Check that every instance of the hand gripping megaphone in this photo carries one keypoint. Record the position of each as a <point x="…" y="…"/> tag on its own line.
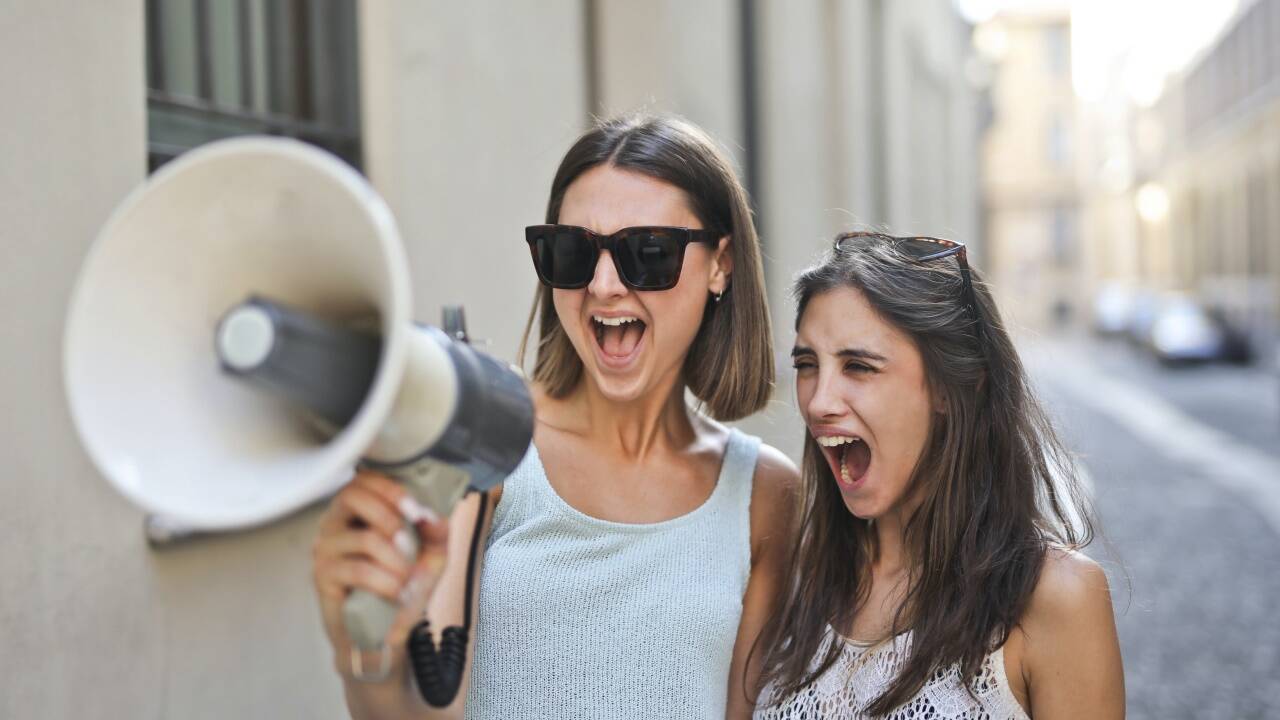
<point x="240" y="337"/>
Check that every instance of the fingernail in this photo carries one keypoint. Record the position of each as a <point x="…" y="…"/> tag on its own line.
<point x="414" y="511"/>
<point x="404" y="542"/>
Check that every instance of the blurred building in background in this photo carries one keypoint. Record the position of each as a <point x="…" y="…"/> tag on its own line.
<point x="1180" y="178"/>
<point x="1131" y="171"/>
<point x="1208" y="176"/>
<point x="840" y="113"/>
<point x="1029" y="154"/>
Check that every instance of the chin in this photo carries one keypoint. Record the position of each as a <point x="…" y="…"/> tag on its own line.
<point x="619" y="389"/>
<point x="863" y="510"/>
<point x="865" y="505"/>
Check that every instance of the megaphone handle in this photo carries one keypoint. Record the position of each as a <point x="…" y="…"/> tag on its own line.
<point x="367" y="617"/>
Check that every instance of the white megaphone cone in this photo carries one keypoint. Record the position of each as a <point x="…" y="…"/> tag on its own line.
<point x="240" y="335"/>
<point x="161" y="420"/>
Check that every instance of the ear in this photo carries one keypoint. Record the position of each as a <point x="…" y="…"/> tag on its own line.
<point x="721" y="267"/>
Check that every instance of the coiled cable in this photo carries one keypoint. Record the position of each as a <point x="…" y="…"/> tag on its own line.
<point x="438" y="670"/>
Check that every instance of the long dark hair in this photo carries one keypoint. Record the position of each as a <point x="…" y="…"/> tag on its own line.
<point x="729" y="366"/>
<point x="999" y="489"/>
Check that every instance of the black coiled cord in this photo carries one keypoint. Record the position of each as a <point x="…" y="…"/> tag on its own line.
<point x="438" y="670"/>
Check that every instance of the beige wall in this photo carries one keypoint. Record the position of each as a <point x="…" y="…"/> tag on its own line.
<point x="467" y="109"/>
<point x="672" y="56"/>
<point x="95" y="624"/>
<point x="838" y="154"/>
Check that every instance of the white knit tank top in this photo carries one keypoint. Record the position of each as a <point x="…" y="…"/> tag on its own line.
<point x="585" y="618"/>
<point x="861" y="673"/>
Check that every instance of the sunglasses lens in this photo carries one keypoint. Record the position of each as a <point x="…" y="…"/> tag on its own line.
<point x="650" y="259"/>
<point x="565" y="257"/>
<point x="920" y="248"/>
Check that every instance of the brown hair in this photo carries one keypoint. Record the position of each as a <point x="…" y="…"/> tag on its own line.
<point x="998" y="488"/>
<point x="729" y="367"/>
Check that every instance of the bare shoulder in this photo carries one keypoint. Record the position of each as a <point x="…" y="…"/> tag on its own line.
<point x="1072" y="589"/>
<point x="1071" y="662"/>
<point x="774" y="495"/>
<point x="776" y="475"/>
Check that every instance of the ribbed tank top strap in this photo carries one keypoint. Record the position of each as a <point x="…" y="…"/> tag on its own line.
<point x="739" y="464"/>
<point x="521" y="493"/>
<point x="737" y="473"/>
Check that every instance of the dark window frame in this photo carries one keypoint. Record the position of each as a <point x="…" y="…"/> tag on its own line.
<point x="308" y="47"/>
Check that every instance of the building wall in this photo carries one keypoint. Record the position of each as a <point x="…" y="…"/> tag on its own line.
<point x="464" y="124"/>
<point x="867" y="122"/>
<point x="1212" y="142"/>
<point x="672" y="56"/>
<point x="1220" y="161"/>
<point x="1030" y="152"/>
<point x="95" y="623"/>
<point x="464" y="119"/>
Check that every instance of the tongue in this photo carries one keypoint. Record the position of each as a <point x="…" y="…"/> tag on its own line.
<point x="620" y="341"/>
<point x="857" y="458"/>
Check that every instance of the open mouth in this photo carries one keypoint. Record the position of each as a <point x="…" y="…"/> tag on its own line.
<point x="618" y="337"/>
<point x="848" y="455"/>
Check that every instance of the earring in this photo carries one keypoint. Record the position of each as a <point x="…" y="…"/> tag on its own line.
<point x="719" y="295"/>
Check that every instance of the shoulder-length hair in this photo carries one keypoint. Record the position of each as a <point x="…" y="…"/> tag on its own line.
<point x="729" y="367"/>
<point x="998" y="488"/>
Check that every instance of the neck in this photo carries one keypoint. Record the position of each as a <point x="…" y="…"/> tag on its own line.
<point x="893" y="556"/>
<point x="657" y="419"/>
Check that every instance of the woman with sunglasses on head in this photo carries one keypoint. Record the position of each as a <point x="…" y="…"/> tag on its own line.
<point x="936" y="573"/>
<point x="632" y="557"/>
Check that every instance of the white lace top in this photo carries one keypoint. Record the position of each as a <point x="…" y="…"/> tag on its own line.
<point x="862" y="673"/>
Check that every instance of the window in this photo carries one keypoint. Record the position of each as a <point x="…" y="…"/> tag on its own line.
<point x="1057" y="48"/>
<point x="1062" y="236"/>
<point x="220" y="68"/>
<point x="1058" y="141"/>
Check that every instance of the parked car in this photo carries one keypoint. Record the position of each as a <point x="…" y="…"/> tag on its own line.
<point x="1111" y="306"/>
<point x="1237" y="350"/>
<point x="1184" y="330"/>
<point x="1143" y="309"/>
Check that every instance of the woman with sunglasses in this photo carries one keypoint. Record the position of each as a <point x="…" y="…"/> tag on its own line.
<point x="936" y="573"/>
<point x="631" y="559"/>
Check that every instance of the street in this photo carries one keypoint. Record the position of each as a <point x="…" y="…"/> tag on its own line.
<point x="1184" y="464"/>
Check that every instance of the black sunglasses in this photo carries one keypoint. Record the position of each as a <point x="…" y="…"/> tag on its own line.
<point x="646" y="258"/>
<point x="923" y="249"/>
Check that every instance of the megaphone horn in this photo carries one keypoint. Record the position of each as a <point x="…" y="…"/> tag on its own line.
<point x="258" y="263"/>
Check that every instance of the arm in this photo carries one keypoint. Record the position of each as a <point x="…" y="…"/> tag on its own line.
<point x="773" y="502"/>
<point x="355" y="550"/>
<point x="1072" y="666"/>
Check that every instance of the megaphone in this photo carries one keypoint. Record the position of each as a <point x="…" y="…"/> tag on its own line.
<point x="257" y="263"/>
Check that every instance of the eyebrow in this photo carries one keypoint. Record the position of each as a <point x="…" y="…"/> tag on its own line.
<point x="847" y="353"/>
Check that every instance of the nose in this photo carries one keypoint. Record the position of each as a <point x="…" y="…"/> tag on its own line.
<point x="605" y="283"/>
<point x="827" y="402"/>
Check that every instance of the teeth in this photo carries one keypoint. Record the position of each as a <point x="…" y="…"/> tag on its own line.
<point x="837" y="440"/>
<point x="613" y="322"/>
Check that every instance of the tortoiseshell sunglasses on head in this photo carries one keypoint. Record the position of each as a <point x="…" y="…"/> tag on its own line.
<point x="922" y="249"/>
